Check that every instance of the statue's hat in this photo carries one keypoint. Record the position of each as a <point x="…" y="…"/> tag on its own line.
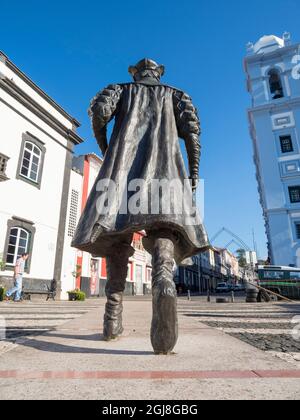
<point x="146" y="64"/>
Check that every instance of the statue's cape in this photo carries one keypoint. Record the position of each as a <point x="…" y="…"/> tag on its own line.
<point x="144" y="145"/>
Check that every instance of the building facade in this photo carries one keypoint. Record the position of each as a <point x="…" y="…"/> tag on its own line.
<point x="71" y="270"/>
<point x="36" y="150"/>
<point x="273" y="81"/>
<point x="213" y="266"/>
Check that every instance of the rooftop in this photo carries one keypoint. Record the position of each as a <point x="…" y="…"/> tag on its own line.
<point x="36" y="88"/>
<point x="269" y="43"/>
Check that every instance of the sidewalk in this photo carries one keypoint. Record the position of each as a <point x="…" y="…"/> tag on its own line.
<point x="73" y="362"/>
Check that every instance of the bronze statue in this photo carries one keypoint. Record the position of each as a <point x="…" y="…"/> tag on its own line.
<point x="149" y="119"/>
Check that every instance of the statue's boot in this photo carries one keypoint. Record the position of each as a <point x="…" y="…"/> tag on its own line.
<point x="117" y="267"/>
<point x="164" y="328"/>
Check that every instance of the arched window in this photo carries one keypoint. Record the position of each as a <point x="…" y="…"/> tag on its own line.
<point x="31" y="161"/>
<point x="19" y="239"/>
<point x="18" y="244"/>
<point x="275" y="83"/>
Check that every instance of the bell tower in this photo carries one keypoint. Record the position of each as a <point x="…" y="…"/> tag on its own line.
<point x="272" y="67"/>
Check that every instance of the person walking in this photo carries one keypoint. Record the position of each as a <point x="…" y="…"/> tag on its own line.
<point x="18" y="276"/>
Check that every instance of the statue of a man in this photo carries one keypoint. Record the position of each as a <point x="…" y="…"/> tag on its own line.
<point x="143" y="151"/>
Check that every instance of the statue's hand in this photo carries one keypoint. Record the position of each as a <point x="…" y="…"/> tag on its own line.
<point x="102" y="142"/>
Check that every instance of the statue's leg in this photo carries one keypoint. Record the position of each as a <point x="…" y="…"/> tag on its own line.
<point x="164" y="328"/>
<point x="117" y="268"/>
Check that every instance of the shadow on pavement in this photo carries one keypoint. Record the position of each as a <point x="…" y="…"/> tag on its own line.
<point x="91" y="337"/>
<point x="62" y="348"/>
<point x="291" y="307"/>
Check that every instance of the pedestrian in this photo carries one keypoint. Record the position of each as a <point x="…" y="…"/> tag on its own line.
<point x="18" y="277"/>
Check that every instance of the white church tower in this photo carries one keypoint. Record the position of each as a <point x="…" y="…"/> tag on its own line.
<point x="272" y="66"/>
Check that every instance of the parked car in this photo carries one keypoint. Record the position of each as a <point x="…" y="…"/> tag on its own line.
<point x="238" y="288"/>
<point x="223" y="288"/>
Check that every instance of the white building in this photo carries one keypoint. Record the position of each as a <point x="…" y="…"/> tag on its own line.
<point x="36" y="150"/>
<point x="212" y="266"/>
<point x="80" y="269"/>
<point x="273" y="80"/>
<point x="70" y="270"/>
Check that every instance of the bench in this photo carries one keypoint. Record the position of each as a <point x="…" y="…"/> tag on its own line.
<point x="44" y="289"/>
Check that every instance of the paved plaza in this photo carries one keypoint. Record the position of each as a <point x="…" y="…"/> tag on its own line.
<point x="55" y="350"/>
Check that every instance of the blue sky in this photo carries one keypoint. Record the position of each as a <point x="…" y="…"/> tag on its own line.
<point x="72" y="49"/>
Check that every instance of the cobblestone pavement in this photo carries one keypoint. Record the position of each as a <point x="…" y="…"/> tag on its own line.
<point x="56" y="350"/>
<point x="20" y="321"/>
<point x="268" y="327"/>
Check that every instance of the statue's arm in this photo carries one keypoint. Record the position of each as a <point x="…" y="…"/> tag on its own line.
<point x="188" y="126"/>
<point x="102" y="110"/>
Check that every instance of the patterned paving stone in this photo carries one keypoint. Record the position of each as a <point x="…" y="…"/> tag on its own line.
<point x="29" y="319"/>
<point x="268" y="328"/>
